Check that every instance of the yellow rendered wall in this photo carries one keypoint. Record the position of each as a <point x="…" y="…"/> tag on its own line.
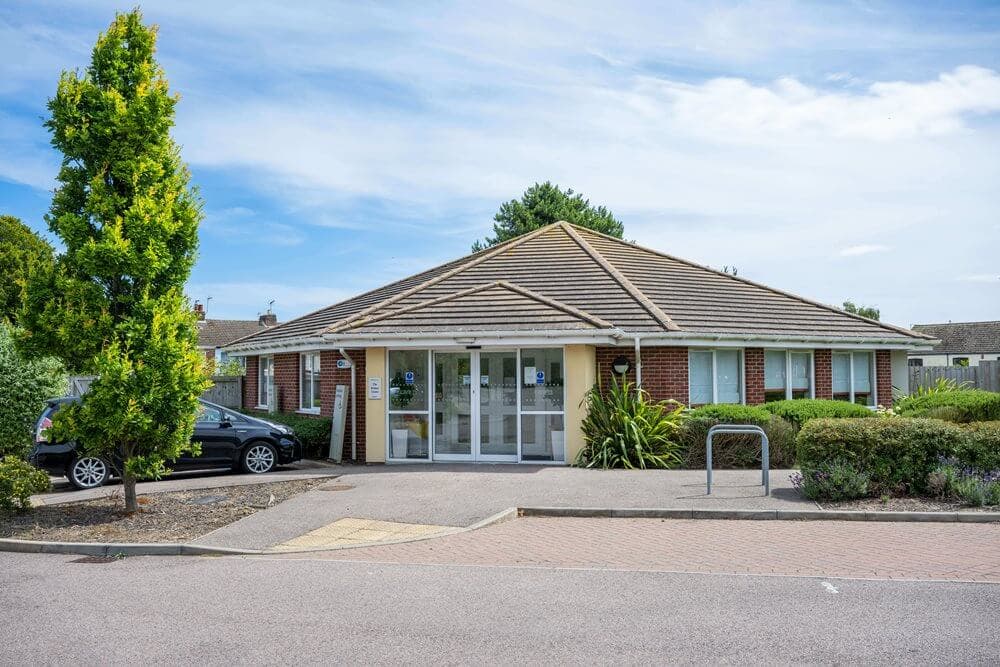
<point x="581" y="375"/>
<point x="374" y="409"/>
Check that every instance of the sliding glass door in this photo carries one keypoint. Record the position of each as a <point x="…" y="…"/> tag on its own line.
<point x="475" y="406"/>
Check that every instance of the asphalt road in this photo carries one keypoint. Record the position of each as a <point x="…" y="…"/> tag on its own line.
<point x="273" y="610"/>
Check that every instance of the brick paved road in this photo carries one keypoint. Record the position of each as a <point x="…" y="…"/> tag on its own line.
<point x="960" y="552"/>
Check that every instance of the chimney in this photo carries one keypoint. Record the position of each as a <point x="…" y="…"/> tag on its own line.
<point x="268" y="319"/>
<point x="199" y="311"/>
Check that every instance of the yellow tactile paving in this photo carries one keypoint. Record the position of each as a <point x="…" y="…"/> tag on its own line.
<point x="356" y="531"/>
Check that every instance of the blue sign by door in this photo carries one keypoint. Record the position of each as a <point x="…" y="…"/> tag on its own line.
<point x="540" y="377"/>
<point x="409" y="377"/>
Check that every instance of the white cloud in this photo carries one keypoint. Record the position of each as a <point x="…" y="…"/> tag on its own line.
<point x="993" y="278"/>
<point x="857" y="250"/>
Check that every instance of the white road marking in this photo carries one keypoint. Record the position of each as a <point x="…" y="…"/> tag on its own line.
<point x="829" y="587"/>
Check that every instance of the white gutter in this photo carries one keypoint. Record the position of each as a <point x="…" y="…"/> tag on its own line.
<point x="354" y="405"/>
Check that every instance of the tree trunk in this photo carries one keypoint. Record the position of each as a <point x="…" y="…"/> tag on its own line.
<point x="128" y="483"/>
<point x="131" y="502"/>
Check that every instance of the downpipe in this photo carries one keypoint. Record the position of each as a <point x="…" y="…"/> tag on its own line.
<point x="354" y="405"/>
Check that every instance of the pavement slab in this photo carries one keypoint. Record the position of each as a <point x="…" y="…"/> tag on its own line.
<point x="344" y="532"/>
<point x="850" y="549"/>
<point x="462" y="495"/>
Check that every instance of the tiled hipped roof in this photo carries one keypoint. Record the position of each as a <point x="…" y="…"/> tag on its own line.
<point x="964" y="337"/>
<point x="564" y="277"/>
<point x="217" y="333"/>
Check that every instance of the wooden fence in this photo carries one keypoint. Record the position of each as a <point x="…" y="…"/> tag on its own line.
<point x="984" y="376"/>
<point x="226" y="390"/>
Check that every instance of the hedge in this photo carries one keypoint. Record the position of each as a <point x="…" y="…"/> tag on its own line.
<point x="314" y="432"/>
<point x="800" y="410"/>
<point x="736" y="451"/>
<point x="963" y="405"/>
<point x="981" y="448"/>
<point x="897" y="452"/>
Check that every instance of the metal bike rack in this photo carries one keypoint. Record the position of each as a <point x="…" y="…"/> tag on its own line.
<point x="737" y="429"/>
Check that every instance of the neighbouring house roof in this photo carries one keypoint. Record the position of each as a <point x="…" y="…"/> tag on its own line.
<point x="964" y="337"/>
<point x="219" y="333"/>
<point x="564" y="277"/>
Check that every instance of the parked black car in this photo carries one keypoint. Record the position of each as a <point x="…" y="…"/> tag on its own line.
<point x="228" y="440"/>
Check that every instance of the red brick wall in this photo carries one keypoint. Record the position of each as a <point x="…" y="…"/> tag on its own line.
<point x="823" y="362"/>
<point x="883" y="377"/>
<point x="250" y="385"/>
<point x="330" y="376"/>
<point x="664" y="370"/>
<point x="286" y="381"/>
<point x="753" y="363"/>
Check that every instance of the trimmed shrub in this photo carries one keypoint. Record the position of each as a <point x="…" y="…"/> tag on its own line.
<point x="833" y="480"/>
<point x="800" y="410"/>
<point x="25" y="384"/>
<point x="625" y="429"/>
<point x="18" y="481"/>
<point x="736" y="451"/>
<point x="898" y="453"/>
<point x="314" y="432"/>
<point x="981" y="448"/>
<point x="963" y="405"/>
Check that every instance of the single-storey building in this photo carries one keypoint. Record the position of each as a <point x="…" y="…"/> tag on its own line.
<point x="488" y="357"/>
<point x="959" y="344"/>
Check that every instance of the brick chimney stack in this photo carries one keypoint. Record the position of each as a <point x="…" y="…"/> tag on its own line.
<point x="268" y="319"/>
<point x="199" y="311"/>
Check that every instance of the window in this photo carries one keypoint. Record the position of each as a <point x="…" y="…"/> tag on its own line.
<point x="715" y="376"/>
<point x="915" y="362"/>
<point x="853" y="374"/>
<point x="779" y="366"/>
<point x="265" y="381"/>
<point x="960" y="361"/>
<point x="543" y="434"/>
<point x="208" y="414"/>
<point x="409" y="418"/>
<point x="309" y="383"/>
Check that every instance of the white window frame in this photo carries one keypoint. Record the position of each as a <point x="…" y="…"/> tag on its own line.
<point x="715" y="374"/>
<point x="788" y="371"/>
<point x="872" y="376"/>
<point x="427" y="412"/>
<point x="309" y="409"/>
<point x="265" y="380"/>
<point x="430" y="411"/>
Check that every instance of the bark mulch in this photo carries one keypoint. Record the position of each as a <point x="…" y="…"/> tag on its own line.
<point x="174" y="516"/>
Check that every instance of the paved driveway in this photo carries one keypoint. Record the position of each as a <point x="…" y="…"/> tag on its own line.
<point x="464" y="495"/>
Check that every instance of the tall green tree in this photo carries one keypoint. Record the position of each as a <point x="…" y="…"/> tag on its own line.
<point x="113" y="305"/>
<point x="25" y="384"/>
<point x="545" y="203"/>
<point x="22" y="253"/>
<point x="871" y="312"/>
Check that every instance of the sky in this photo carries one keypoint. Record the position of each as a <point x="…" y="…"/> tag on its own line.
<point x="834" y="150"/>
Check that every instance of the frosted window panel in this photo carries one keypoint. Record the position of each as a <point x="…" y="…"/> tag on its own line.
<point x="841" y="371"/>
<point x="774" y="371"/>
<point x="700" y="377"/>
<point x="727" y="367"/>
<point x="800" y="371"/>
<point x="862" y="372"/>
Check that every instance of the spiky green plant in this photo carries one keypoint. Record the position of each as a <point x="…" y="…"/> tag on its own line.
<point x="624" y="428"/>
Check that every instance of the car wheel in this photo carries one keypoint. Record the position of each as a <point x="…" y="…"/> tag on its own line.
<point x="88" y="472"/>
<point x="259" y="458"/>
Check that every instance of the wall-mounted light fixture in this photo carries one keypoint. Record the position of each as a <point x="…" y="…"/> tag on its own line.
<point x="620" y="365"/>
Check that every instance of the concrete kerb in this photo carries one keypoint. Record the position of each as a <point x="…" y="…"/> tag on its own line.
<point x="193" y="549"/>
<point x="760" y="515"/>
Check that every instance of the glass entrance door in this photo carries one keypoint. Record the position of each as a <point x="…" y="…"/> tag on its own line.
<point x="475" y="406"/>
<point x="497" y="406"/>
<point x="453" y="420"/>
